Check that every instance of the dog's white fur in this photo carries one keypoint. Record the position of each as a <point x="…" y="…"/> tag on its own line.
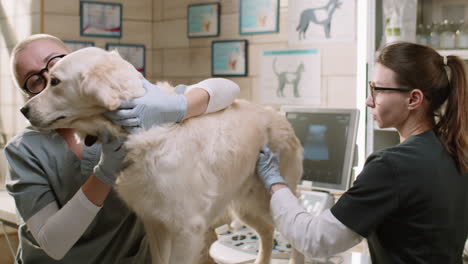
<point x="183" y="177"/>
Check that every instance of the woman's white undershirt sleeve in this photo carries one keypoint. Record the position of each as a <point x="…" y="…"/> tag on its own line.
<point x="222" y="92"/>
<point x="57" y="230"/>
<point x="314" y="236"/>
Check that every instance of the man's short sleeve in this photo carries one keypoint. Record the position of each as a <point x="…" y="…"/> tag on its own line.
<point x="372" y="197"/>
<point x="27" y="182"/>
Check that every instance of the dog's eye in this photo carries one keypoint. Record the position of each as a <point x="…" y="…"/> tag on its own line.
<point x="54" y="81"/>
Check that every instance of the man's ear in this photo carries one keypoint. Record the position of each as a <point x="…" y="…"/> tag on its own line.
<point x="416" y="98"/>
<point x="111" y="80"/>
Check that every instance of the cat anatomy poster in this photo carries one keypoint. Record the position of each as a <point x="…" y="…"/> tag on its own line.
<point x="321" y="20"/>
<point x="290" y="77"/>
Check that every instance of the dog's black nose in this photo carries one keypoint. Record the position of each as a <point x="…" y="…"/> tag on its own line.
<point x="25" y="111"/>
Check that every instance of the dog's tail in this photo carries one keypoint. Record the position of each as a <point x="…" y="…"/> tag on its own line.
<point x="282" y="139"/>
<point x="274" y="67"/>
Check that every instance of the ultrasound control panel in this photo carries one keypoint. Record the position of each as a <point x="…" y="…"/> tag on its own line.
<point x="238" y="244"/>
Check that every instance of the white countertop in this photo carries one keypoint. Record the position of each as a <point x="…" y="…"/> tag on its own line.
<point x="7" y="208"/>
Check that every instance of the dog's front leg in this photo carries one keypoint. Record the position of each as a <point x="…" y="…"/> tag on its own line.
<point x="187" y="247"/>
<point x="160" y="242"/>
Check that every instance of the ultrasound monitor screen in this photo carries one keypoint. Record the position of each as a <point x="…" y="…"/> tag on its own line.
<point x="327" y="140"/>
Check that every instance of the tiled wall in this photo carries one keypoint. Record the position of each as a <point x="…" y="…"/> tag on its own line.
<point x="183" y="60"/>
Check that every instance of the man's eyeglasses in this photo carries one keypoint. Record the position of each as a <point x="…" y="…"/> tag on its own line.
<point x="35" y="83"/>
<point x="373" y="89"/>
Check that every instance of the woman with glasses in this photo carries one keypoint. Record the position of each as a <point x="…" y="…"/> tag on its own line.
<point x="411" y="200"/>
<point x="63" y="189"/>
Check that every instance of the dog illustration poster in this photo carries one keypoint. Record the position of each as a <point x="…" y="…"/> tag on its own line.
<point x="135" y="54"/>
<point x="203" y="20"/>
<point x="101" y="19"/>
<point x="290" y="77"/>
<point x="321" y="20"/>
<point x="260" y="16"/>
<point x="229" y="58"/>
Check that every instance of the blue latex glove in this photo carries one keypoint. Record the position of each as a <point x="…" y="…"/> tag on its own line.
<point x="153" y="108"/>
<point x="112" y="160"/>
<point x="268" y="168"/>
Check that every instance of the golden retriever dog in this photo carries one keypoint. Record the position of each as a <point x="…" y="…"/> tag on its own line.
<point x="182" y="177"/>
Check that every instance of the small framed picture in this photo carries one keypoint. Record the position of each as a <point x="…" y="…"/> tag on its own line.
<point x="229" y="58"/>
<point x="203" y="20"/>
<point x="258" y="17"/>
<point x="133" y="53"/>
<point x="76" y="45"/>
<point x="100" y="19"/>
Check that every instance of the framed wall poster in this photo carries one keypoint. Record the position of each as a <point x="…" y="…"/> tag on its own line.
<point x="290" y="77"/>
<point x="229" y="58"/>
<point x="76" y="45"/>
<point x="133" y="53"/>
<point x="99" y="19"/>
<point x="203" y="20"/>
<point x="258" y="17"/>
<point x="321" y="21"/>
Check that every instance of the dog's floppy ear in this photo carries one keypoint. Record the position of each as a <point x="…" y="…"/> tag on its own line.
<point x="110" y="80"/>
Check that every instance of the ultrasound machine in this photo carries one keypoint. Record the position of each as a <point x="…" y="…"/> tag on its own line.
<point x="328" y="137"/>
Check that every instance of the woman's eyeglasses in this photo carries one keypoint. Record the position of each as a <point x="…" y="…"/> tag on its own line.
<point x="35" y="83"/>
<point x="373" y="89"/>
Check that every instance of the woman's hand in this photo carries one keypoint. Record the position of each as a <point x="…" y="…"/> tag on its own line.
<point x="153" y="108"/>
<point x="268" y="168"/>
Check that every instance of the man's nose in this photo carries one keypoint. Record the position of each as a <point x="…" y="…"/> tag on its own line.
<point x="25" y="111"/>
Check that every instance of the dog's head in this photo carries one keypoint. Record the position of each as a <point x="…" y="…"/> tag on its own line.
<point x="82" y="86"/>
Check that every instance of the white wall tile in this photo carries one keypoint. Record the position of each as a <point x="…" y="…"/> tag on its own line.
<point x="187" y="62"/>
<point x="174" y="9"/>
<point x="137" y="9"/>
<point x="157" y="10"/>
<point x="339" y="65"/>
<point x="245" y="84"/>
<point x="230" y="7"/>
<point x="137" y="32"/>
<point x="63" y="7"/>
<point x="200" y="61"/>
<point x="158" y="61"/>
<point x="65" y="27"/>
<point x="341" y="92"/>
<point x="176" y="63"/>
<point x="149" y="62"/>
<point x="170" y="34"/>
<point x="230" y="27"/>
